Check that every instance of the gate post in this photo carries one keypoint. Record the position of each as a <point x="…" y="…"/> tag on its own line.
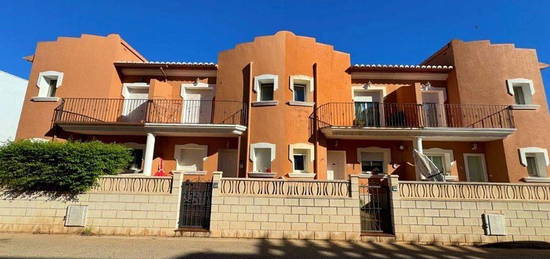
<point x="215" y="229"/>
<point x="177" y="179"/>
<point x="354" y="186"/>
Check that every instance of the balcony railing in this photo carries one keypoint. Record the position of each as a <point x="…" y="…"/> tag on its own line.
<point x="140" y="111"/>
<point x="404" y="115"/>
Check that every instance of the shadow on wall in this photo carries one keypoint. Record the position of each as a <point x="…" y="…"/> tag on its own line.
<point x="305" y="249"/>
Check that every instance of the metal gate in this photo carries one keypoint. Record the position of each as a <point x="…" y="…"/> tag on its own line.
<point x="375" y="209"/>
<point x="196" y="201"/>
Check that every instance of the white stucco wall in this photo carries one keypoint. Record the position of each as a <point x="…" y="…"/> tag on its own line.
<point x="12" y="94"/>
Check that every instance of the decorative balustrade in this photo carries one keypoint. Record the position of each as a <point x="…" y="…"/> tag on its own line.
<point x="134" y="184"/>
<point x="278" y="187"/>
<point x="474" y="191"/>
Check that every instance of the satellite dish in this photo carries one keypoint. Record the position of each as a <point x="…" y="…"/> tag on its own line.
<point x="427" y="168"/>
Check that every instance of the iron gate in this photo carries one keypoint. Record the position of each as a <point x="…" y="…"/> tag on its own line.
<point x="196" y="202"/>
<point x="375" y="209"/>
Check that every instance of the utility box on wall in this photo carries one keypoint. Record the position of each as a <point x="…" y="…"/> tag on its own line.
<point x="76" y="216"/>
<point x="494" y="224"/>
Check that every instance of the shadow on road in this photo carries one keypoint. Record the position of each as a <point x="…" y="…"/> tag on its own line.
<point x="329" y="249"/>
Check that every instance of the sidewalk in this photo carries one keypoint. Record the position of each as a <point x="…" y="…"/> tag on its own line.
<point x="73" y="246"/>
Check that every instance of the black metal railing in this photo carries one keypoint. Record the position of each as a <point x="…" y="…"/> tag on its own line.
<point x="405" y="115"/>
<point x="196" y="204"/>
<point x="139" y="111"/>
<point x="375" y="213"/>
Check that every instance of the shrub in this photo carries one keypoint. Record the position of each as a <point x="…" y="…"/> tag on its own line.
<point x="58" y="168"/>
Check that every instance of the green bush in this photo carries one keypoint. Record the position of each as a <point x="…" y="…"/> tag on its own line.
<point x="58" y="168"/>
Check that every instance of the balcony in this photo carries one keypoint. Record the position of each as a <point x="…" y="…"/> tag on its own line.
<point x="363" y="120"/>
<point x="136" y="116"/>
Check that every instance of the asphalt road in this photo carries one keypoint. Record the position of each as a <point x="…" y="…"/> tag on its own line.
<point x="73" y="246"/>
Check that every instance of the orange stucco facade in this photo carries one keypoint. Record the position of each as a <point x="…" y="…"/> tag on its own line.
<point x="455" y="106"/>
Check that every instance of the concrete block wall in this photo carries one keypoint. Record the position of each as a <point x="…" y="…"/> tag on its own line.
<point x="459" y="221"/>
<point x="109" y="213"/>
<point x="260" y="216"/>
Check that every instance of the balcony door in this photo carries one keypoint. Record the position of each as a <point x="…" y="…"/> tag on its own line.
<point x="368" y="108"/>
<point x="197" y="106"/>
<point x="433" y="109"/>
<point x="135" y="102"/>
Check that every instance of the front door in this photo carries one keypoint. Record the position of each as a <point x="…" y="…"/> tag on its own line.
<point x="336" y="165"/>
<point x="227" y="162"/>
<point x="475" y="167"/>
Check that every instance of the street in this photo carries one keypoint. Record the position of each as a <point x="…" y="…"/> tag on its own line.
<point x="73" y="246"/>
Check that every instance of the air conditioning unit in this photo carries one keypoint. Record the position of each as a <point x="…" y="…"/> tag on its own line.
<point x="76" y="216"/>
<point x="494" y="225"/>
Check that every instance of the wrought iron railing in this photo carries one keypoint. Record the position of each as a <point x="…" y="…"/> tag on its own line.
<point x="280" y="187"/>
<point x="405" y="115"/>
<point x="139" y="111"/>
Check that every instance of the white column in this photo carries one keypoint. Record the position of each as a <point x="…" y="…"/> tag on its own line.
<point x="149" y="150"/>
<point x="418" y="145"/>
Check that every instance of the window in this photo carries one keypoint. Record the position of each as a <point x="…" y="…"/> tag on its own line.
<point x="532" y="168"/>
<point x="266" y="92"/>
<point x="301" y="156"/>
<point x="518" y="95"/>
<point x="263" y="160"/>
<point x="439" y="161"/>
<point x="372" y="162"/>
<point x="373" y="159"/>
<point x="536" y="161"/>
<point x="442" y="158"/>
<point x="299" y="92"/>
<point x="522" y="90"/>
<point x="48" y="82"/>
<point x="265" y="87"/>
<point x="262" y="154"/>
<point x="190" y="157"/>
<point x="299" y="162"/>
<point x="137" y="159"/>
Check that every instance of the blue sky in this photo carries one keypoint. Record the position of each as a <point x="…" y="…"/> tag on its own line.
<point x="392" y="32"/>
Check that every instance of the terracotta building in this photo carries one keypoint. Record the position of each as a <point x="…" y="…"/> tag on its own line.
<point x="287" y="106"/>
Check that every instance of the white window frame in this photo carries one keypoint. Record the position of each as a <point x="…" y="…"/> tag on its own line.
<point x="386" y="154"/>
<point x="44" y="86"/>
<point x="483" y="165"/>
<point x="200" y="148"/>
<point x="526" y="85"/>
<point x="265" y="79"/>
<point x="446" y="153"/>
<point x="308" y="161"/>
<point x="302" y="80"/>
<point x="541" y="155"/>
<point x="254" y="146"/>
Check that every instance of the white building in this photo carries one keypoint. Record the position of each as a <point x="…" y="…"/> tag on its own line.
<point x="12" y="94"/>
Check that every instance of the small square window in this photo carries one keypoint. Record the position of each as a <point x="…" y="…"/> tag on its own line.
<point x="299" y="162"/>
<point x="299" y="92"/>
<point x="519" y="95"/>
<point x="266" y="92"/>
<point x="52" y="87"/>
<point x="263" y="159"/>
<point x="532" y="166"/>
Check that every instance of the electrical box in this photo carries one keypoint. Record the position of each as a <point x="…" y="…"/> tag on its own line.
<point x="494" y="224"/>
<point x="76" y="216"/>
